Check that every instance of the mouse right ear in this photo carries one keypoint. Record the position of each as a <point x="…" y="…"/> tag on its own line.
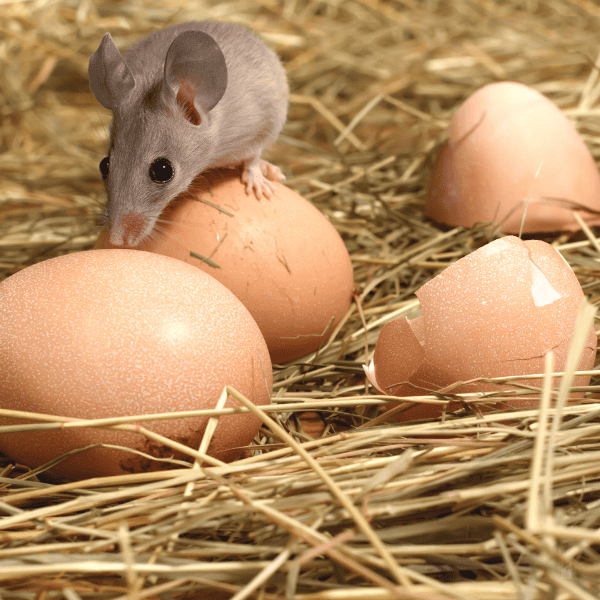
<point x="196" y="71"/>
<point x="111" y="80"/>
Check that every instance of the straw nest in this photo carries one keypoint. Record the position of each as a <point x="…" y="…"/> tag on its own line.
<point x="501" y="505"/>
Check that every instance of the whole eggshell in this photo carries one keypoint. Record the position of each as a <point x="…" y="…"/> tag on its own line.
<point x="506" y="144"/>
<point x="494" y="313"/>
<point x="281" y="257"/>
<point x="108" y="333"/>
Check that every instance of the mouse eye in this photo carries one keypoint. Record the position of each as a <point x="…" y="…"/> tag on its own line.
<point x="161" y="170"/>
<point x="104" y="167"/>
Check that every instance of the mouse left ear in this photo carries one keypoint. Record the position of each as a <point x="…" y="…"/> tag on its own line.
<point x="196" y="71"/>
<point x="111" y="80"/>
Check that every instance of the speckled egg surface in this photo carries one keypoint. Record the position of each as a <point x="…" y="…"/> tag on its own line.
<point x="494" y="313"/>
<point x="107" y="333"/>
<point x="281" y="257"/>
<point x="511" y="153"/>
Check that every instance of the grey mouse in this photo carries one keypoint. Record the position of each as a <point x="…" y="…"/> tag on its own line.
<point x="185" y="99"/>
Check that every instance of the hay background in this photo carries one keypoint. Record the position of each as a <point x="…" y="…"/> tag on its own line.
<point x="457" y="503"/>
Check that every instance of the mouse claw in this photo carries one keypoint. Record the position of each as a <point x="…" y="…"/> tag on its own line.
<point x="259" y="175"/>
<point x="271" y="171"/>
<point x="263" y="188"/>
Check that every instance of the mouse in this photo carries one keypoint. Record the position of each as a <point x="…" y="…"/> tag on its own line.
<point x="185" y="99"/>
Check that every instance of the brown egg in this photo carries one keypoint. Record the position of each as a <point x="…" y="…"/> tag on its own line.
<point x="493" y="313"/>
<point x="506" y="144"/>
<point x="108" y="333"/>
<point x="281" y="257"/>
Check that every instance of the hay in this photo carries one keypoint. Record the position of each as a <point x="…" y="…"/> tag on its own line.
<point x="472" y="506"/>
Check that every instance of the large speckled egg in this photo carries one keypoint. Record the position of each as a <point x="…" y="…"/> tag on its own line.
<point x="108" y="333"/>
<point x="513" y="156"/>
<point x="494" y="313"/>
<point x="281" y="257"/>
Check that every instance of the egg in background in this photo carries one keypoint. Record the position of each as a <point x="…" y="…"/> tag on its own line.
<point x="109" y="333"/>
<point x="496" y="312"/>
<point x="281" y="257"/>
<point x="509" y="145"/>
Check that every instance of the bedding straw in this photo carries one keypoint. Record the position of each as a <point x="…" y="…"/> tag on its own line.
<point x="334" y="499"/>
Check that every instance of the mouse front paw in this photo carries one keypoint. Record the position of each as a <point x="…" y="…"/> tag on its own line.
<point x="271" y="171"/>
<point x="259" y="175"/>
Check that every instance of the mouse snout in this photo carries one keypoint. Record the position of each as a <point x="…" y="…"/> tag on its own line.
<point x="129" y="230"/>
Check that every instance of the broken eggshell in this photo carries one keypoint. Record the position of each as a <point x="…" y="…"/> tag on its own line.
<point x="494" y="313"/>
<point x="508" y="147"/>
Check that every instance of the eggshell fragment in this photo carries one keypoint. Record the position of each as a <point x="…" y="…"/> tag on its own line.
<point x="108" y="333"/>
<point x="496" y="312"/>
<point x="508" y="144"/>
<point x="281" y="257"/>
<point x="403" y="368"/>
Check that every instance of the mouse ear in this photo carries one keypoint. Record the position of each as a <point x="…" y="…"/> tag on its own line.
<point x="111" y="80"/>
<point x="195" y="68"/>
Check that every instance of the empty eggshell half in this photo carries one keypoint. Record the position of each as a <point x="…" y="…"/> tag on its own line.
<point x="110" y="333"/>
<point x="508" y="144"/>
<point x="281" y="257"/>
<point x="493" y="313"/>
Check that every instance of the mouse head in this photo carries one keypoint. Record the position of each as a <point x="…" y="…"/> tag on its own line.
<point x="155" y="148"/>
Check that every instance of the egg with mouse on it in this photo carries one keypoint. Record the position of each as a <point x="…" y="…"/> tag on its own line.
<point x="185" y="99"/>
<point x="282" y="258"/>
<point x="111" y="333"/>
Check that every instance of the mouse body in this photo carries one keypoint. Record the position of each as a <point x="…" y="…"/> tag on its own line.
<point x="185" y="99"/>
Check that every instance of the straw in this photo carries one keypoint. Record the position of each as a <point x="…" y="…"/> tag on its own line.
<point x="334" y="499"/>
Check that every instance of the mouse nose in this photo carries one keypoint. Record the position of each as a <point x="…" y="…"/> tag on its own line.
<point x="129" y="230"/>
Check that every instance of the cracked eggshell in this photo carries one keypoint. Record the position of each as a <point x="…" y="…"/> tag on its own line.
<point x="281" y="257"/>
<point x="108" y="333"/>
<point x="496" y="312"/>
<point x="507" y="143"/>
<point x="403" y="369"/>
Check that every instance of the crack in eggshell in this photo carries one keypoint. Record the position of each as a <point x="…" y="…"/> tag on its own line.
<point x="496" y="312"/>
<point x="496" y="303"/>
<point x="402" y="363"/>
<point x="541" y="289"/>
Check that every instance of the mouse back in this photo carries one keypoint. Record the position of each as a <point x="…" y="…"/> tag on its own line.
<point x="249" y="61"/>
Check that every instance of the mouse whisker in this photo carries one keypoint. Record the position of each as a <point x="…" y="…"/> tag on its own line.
<point x="97" y="202"/>
<point x="180" y="224"/>
<point x="159" y="233"/>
